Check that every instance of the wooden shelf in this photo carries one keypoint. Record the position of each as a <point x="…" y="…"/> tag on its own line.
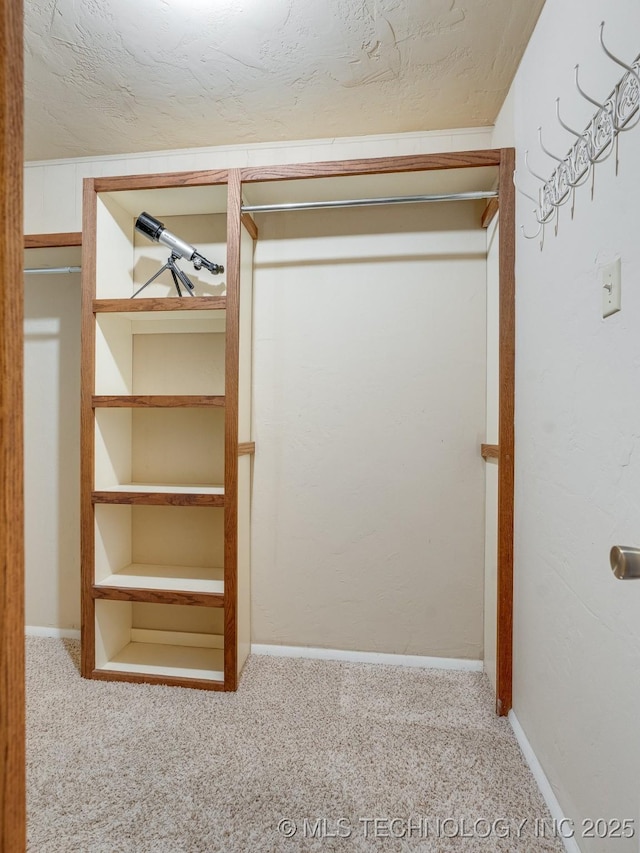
<point x="156" y="401"/>
<point x="157" y="596"/>
<point x="172" y="578"/>
<point x="158" y="494"/>
<point x="160" y="303"/>
<point x="53" y="241"/>
<point x="490" y="451"/>
<point x="177" y="661"/>
<point x="149" y="471"/>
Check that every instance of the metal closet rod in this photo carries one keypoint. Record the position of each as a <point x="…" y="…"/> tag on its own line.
<point x="366" y="202"/>
<point x="316" y="205"/>
<point x="50" y="270"/>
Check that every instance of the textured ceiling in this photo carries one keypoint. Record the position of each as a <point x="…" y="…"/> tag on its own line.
<point x="119" y="76"/>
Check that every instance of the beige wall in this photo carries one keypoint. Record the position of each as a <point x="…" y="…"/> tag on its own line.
<point x="369" y="410"/>
<point x="344" y="507"/>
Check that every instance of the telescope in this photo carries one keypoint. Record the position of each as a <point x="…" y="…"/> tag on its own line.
<point x="155" y="231"/>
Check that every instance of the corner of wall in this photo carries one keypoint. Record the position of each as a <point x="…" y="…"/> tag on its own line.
<point x="504" y="135"/>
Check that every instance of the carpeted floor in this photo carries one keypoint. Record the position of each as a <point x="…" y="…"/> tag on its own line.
<point x="329" y="747"/>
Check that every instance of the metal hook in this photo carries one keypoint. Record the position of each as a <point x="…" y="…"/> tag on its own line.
<point x="611" y="55"/>
<point x="546" y="150"/>
<point x="526" y="163"/>
<point x="566" y="126"/>
<point x="537" y="209"/>
<point x="522" y="192"/>
<point x="532" y="236"/>
<point x="584" y="94"/>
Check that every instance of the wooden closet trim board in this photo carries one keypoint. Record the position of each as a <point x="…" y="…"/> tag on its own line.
<point x="231" y="391"/>
<point x="490" y="212"/>
<point x="372" y="166"/>
<point x="506" y="431"/>
<point x="166" y="180"/>
<point x="87" y="428"/>
<point x="53" y="241"/>
<point x="12" y="690"/>
<point x="167" y="680"/>
<point x="249" y="223"/>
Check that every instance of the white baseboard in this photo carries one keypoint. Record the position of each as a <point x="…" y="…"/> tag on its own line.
<point x="367" y="657"/>
<point x="56" y="633"/>
<point x="570" y="844"/>
<point x="311" y="653"/>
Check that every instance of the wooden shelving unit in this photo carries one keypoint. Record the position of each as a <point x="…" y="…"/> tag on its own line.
<point x="166" y="411"/>
<point x="165" y="534"/>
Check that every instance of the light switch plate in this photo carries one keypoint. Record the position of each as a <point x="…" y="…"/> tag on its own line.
<point x="611" y="281"/>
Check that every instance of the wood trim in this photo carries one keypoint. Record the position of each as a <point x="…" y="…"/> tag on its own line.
<point x="232" y="362"/>
<point x="490" y="212"/>
<point x="53" y="241"/>
<point x="506" y="432"/>
<point x="162" y="181"/>
<point x="157" y="401"/>
<point x="87" y="427"/>
<point x="158" y="596"/>
<point x="161" y="303"/>
<point x="249" y="223"/>
<point x="490" y="451"/>
<point x="372" y="166"/>
<point x="12" y="693"/>
<point x="157" y="499"/>
<point x="167" y="680"/>
<point x="246" y="448"/>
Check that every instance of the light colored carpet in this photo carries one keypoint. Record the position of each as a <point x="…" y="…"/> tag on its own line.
<point x="123" y="768"/>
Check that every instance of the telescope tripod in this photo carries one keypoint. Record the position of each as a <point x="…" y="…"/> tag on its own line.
<point x="179" y="277"/>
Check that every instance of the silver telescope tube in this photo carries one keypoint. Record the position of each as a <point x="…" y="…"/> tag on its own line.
<point x="177" y="246"/>
<point x="155" y="231"/>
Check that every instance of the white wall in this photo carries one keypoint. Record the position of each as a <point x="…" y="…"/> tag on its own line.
<point x="52" y="439"/>
<point x="491" y="466"/>
<point x="400" y="587"/>
<point x="577" y="630"/>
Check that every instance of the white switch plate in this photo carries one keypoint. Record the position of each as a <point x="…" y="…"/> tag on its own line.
<point x="610" y="277"/>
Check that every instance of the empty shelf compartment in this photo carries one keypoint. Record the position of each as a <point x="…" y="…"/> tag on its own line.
<point x="160" y="639"/>
<point x="160" y="548"/>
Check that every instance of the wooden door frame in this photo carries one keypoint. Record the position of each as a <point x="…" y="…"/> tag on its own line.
<point x="504" y="159"/>
<point x="12" y="689"/>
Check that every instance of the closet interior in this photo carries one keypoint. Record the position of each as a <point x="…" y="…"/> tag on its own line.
<point x="166" y="440"/>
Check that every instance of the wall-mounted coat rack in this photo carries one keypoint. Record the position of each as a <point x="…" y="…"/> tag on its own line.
<point x="595" y="144"/>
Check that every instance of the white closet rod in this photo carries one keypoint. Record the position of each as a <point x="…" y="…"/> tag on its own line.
<point x="51" y="270"/>
<point x="365" y="202"/>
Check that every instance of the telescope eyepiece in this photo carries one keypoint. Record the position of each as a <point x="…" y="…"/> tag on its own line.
<point x="200" y="261"/>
